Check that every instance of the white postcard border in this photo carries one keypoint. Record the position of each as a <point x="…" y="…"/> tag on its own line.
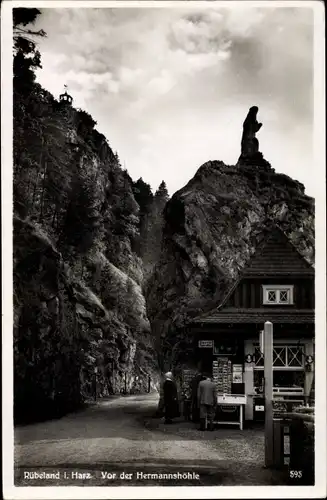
<point x="99" y="492"/>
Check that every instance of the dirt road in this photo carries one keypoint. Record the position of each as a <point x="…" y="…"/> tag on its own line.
<point x="116" y="442"/>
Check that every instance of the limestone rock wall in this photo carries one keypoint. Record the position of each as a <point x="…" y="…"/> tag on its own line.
<point x="212" y="226"/>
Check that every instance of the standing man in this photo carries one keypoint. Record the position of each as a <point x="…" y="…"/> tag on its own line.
<point x="161" y="404"/>
<point x="195" y="404"/>
<point x="207" y="399"/>
<point x="170" y="398"/>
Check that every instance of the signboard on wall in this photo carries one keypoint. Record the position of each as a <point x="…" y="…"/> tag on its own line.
<point x="187" y="377"/>
<point x="222" y="375"/>
<point x="237" y="374"/>
<point x="206" y="343"/>
<point x="224" y="348"/>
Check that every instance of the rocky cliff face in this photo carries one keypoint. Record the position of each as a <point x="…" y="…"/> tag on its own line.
<point x="65" y="327"/>
<point x="212" y="227"/>
<point x="80" y="318"/>
<point x="80" y="322"/>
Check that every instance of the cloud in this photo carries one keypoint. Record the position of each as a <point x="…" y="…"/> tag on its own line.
<point x="184" y="78"/>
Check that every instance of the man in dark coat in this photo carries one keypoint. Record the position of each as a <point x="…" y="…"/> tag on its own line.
<point x="161" y="404"/>
<point x="207" y="398"/>
<point x="195" y="406"/>
<point x="170" y="398"/>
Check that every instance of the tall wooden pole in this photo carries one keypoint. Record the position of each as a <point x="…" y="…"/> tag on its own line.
<point x="268" y="358"/>
<point x="95" y="383"/>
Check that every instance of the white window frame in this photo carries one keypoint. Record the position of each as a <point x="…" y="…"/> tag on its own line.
<point x="290" y="354"/>
<point x="277" y="289"/>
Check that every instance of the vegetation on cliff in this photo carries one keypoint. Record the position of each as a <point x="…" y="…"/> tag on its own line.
<point x="89" y="243"/>
<point x="212" y="227"/>
<point x="151" y="222"/>
<point x="80" y="322"/>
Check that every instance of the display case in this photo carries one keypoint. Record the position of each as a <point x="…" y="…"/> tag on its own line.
<point x="230" y="409"/>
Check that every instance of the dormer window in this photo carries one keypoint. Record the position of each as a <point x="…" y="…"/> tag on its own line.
<point x="277" y="294"/>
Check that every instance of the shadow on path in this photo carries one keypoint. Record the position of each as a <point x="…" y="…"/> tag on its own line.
<point x="117" y="435"/>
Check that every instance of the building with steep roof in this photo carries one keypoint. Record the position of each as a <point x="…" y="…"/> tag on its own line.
<point x="277" y="285"/>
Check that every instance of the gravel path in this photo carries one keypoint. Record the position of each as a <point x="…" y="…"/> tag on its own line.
<point x="119" y="436"/>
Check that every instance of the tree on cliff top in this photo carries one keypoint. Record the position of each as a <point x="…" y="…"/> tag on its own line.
<point x="143" y="195"/>
<point x="151" y="221"/>
<point x="26" y="56"/>
<point x="162" y="192"/>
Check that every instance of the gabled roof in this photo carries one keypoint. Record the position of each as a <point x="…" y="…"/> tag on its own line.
<point x="270" y="255"/>
<point x="275" y="256"/>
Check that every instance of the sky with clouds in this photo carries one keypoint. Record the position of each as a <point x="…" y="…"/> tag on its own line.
<point x="170" y="87"/>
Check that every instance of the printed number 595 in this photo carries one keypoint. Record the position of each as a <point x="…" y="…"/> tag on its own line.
<point x="296" y="474"/>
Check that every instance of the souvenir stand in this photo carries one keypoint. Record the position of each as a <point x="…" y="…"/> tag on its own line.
<point x="224" y="358"/>
<point x="187" y="378"/>
<point x="230" y="407"/>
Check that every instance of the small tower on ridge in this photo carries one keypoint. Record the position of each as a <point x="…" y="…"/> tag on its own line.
<point x="65" y="98"/>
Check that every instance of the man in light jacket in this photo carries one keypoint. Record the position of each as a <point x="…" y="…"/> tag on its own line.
<point x="207" y="398"/>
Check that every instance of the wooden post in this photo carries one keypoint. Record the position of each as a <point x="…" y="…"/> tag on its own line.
<point x="278" y="443"/>
<point x="248" y="381"/>
<point x="261" y="337"/>
<point x="308" y="350"/>
<point x="268" y="372"/>
<point x="95" y="383"/>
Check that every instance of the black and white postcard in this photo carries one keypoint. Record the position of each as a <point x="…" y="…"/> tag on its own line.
<point x="164" y="245"/>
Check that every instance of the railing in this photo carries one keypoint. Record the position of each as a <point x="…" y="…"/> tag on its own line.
<point x="288" y="391"/>
<point x="283" y="406"/>
<point x="281" y="391"/>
